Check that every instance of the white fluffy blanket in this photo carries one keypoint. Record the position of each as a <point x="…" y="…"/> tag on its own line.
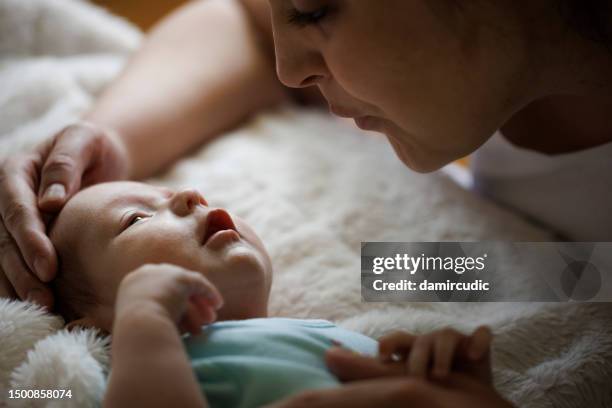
<point x="313" y="187"/>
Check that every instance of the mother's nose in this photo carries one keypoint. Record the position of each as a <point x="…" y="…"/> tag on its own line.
<point x="297" y="65"/>
<point x="296" y="75"/>
<point x="183" y="202"/>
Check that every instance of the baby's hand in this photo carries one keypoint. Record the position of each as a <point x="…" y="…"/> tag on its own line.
<point x="185" y="297"/>
<point x="438" y="353"/>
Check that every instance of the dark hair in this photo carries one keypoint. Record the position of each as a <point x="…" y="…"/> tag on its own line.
<point x="591" y="18"/>
<point x="71" y="289"/>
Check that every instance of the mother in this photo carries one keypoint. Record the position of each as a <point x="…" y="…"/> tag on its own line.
<point x="437" y="77"/>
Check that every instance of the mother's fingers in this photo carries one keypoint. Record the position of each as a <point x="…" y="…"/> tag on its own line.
<point x="350" y="366"/>
<point x="420" y="355"/>
<point x="480" y="343"/>
<point x="388" y="393"/>
<point x="68" y="156"/>
<point x="444" y="352"/>
<point x="16" y="275"/>
<point x="6" y="289"/>
<point x="21" y="217"/>
<point x="396" y="343"/>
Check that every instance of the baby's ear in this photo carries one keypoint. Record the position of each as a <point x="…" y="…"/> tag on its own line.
<point x="81" y="323"/>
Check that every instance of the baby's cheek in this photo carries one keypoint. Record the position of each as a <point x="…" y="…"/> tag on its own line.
<point x="151" y="248"/>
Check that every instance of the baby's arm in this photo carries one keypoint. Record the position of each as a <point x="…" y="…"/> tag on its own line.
<point x="149" y="364"/>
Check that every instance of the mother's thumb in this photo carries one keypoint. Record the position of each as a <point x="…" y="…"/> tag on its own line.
<point x="61" y="174"/>
<point x="60" y="177"/>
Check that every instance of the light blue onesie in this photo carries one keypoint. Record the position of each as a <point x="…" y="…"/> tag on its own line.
<point x="249" y="363"/>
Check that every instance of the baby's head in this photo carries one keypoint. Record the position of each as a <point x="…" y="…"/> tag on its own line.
<point x="106" y="231"/>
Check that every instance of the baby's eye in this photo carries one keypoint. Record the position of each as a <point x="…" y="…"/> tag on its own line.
<point x="135" y="219"/>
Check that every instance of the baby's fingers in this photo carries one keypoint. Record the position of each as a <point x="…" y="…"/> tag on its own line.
<point x="191" y="321"/>
<point x="446" y="344"/>
<point x="202" y="289"/>
<point x="206" y="311"/>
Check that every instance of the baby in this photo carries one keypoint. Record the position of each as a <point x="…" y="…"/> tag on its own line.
<point x="147" y="264"/>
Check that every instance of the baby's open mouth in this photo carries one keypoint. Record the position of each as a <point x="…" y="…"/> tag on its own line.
<point x="217" y="221"/>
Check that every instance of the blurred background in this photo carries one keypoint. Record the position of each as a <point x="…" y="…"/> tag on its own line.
<point x="144" y="13"/>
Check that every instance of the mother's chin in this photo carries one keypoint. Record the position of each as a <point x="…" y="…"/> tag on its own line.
<point x="414" y="158"/>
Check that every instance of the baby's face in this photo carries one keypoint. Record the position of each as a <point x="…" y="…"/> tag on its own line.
<point x="115" y="227"/>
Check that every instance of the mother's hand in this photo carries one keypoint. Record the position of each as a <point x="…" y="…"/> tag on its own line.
<point x="371" y="383"/>
<point x="42" y="181"/>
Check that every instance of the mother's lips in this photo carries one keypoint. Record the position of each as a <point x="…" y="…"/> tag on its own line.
<point x="217" y="220"/>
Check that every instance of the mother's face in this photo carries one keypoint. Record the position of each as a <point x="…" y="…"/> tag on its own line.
<point x="436" y="78"/>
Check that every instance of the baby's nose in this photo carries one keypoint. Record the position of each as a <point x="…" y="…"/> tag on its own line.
<point x="183" y="202"/>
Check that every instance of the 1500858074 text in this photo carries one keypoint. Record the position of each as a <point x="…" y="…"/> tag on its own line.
<point x="39" y="394"/>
